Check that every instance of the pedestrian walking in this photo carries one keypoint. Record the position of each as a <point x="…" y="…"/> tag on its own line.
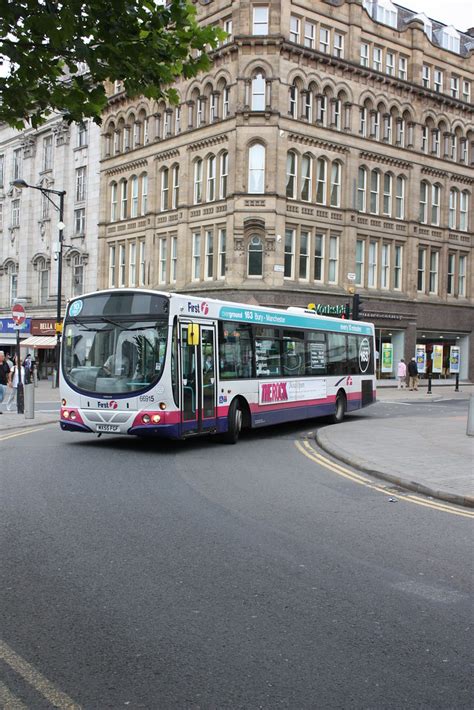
<point x="413" y="374"/>
<point x="401" y="374"/>
<point x="27" y="366"/>
<point x="12" y="397"/>
<point x="4" y="377"/>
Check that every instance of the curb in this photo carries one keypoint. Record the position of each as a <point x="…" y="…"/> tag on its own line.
<point x="28" y="426"/>
<point x="466" y="501"/>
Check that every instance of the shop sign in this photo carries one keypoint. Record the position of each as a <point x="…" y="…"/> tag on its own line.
<point x="437" y="358"/>
<point x="8" y="325"/>
<point x="454" y="359"/>
<point x="387" y="357"/>
<point x="327" y="310"/>
<point x="43" y="326"/>
<point x="420" y="355"/>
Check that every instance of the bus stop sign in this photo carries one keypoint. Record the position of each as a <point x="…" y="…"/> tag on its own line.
<point x="18" y="314"/>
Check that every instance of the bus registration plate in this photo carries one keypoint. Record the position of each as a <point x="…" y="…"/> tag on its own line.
<point x="109" y="428"/>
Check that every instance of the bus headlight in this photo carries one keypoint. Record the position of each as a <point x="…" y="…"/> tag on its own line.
<point x="162" y="405"/>
<point x="66" y="414"/>
<point x="146" y="419"/>
<point x="156" y="418"/>
<point x="73" y="415"/>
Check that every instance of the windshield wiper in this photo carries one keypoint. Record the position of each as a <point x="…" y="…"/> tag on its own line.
<point x="83" y="326"/>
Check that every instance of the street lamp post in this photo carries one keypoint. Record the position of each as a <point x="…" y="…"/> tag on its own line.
<point x="46" y="191"/>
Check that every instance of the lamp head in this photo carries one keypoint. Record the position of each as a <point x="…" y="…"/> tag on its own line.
<point x="20" y="184"/>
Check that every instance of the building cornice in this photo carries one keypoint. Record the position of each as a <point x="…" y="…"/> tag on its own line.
<point x="208" y="142"/>
<point x="385" y="159"/>
<point x="318" y="143"/>
<point x="132" y="165"/>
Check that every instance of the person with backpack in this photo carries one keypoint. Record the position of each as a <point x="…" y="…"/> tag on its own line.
<point x="413" y="375"/>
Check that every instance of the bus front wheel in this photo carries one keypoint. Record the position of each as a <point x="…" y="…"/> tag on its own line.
<point x="234" y="423"/>
<point x="341" y="406"/>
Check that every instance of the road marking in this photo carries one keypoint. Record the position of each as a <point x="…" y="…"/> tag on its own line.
<point x="307" y="450"/>
<point x="8" y="701"/>
<point x="37" y="681"/>
<point x="21" y="433"/>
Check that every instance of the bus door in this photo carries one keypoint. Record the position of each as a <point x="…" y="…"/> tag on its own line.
<point x="198" y="379"/>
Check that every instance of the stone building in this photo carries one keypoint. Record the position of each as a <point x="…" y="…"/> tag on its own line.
<point x="59" y="157"/>
<point x="329" y="151"/>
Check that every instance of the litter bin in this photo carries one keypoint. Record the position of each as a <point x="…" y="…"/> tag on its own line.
<point x="29" y="392"/>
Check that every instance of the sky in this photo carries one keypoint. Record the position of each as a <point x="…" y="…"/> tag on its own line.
<point x="459" y="13"/>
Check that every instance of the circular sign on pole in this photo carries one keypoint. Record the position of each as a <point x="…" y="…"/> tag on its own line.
<point x="18" y="314"/>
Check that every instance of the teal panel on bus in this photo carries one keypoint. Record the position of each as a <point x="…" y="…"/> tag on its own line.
<point x="291" y="320"/>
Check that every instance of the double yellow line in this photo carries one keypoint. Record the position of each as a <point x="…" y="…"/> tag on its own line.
<point x="307" y="450"/>
<point x="35" y="679"/>
<point x="21" y="433"/>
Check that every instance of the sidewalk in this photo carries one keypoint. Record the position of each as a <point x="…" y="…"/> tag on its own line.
<point x="428" y="454"/>
<point x="45" y="397"/>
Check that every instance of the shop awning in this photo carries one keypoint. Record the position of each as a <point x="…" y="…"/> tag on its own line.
<point x="39" y="341"/>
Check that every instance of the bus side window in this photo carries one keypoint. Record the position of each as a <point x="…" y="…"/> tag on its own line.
<point x="316" y="354"/>
<point x="235" y="350"/>
<point x="337" y="354"/>
<point x="353" y="355"/>
<point x="293" y="360"/>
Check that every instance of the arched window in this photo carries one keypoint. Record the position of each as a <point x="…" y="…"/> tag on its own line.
<point x="335" y="194"/>
<point x="224" y="173"/>
<point x="387" y="194"/>
<point x="255" y="257"/>
<point x="424" y="188"/>
<point x="463" y="211"/>
<point x="453" y="206"/>
<point x="256" y="177"/>
<point x="293" y="107"/>
<point x="291" y="173"/>
<point x="400" y="198"/>
<point x="374" y="191"/>
<point x="321" y="181"/>
<point x="77" y="275"/>
<point x="113" y="202"/>
<point x="12" y="272"/>
<point x="211" y="178"/>
<point x="123" y="199"/>
<point x="175" y="195"/>
<point x="134" y="204"/>
<point x="144" y="201"/>
<point x="362" y="189"/>
<point x="306" y="178"/>
<point x="42" y="268"/>
<point x="435" y="204"/>
<point x="258" y="93"/>
<point x="198" y="182"/>
<point x="165" y="189"/>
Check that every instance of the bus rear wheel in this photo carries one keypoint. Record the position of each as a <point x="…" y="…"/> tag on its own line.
<point x="234" y="423"/>
<point x="341" y="407"/>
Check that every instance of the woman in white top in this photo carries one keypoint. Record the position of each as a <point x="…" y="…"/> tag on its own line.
<point x="402" y="374"/>
<point x="14" y="386"/>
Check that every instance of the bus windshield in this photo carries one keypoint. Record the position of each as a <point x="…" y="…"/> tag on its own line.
<point x="107" y="355"/>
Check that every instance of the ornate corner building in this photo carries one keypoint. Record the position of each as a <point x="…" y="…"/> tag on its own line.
<point x="55" y="156"/>
<point x="330" y="150"/>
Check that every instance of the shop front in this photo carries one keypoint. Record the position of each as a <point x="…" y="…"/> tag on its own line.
<point x="442" y="355"/>
<point x="8" y="334"/>
<point x="42" y="346"/>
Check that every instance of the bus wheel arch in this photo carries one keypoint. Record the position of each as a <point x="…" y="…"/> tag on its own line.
<point x="238" y="418"/>
<point x="341" y="407"/>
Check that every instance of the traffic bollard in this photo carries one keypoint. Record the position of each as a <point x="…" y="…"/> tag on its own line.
<point x="470" y="417"/>
<point x="29" y="391"/>
<point x="456" y="389"/>
<point x="429" y="384"/>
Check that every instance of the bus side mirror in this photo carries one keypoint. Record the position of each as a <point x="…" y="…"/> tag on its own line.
<point x="193" y="334"/>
